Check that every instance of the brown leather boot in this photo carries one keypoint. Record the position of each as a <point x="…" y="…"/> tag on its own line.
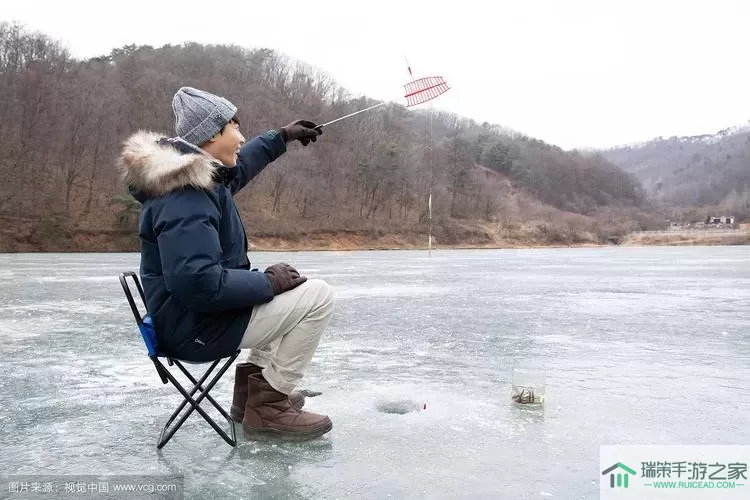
<point x="241" y="373"/>
<point x="270" y="414"/>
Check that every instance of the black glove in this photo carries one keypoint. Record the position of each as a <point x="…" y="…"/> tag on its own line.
<point x="284" y="277"/>
<point x="303" y="131"/>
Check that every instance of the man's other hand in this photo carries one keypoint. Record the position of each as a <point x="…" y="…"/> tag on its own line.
<point x="284" y="277"/>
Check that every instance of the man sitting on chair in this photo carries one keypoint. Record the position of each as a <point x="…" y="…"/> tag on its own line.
<point x="204" y="299"/>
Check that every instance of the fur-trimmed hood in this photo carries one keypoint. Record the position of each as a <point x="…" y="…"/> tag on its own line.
<point x="153" y="165"/>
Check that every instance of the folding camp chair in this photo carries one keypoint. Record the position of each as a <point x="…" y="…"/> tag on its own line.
<point x="148" y="334"/>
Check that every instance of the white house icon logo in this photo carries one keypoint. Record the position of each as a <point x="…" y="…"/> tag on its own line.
<point x="621" y="478"/>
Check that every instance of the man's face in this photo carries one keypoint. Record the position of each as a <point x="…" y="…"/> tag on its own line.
<point x="226" y="146"/>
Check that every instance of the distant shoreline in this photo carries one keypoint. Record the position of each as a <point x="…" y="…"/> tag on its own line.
<point x="627" y="242"/>
<point x="687" y="238"/>
<point x="740" y="238"/>
<point x="117" y="241"/>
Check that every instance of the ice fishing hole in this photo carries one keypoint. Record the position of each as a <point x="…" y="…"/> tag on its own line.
<point x="401" y="407"/>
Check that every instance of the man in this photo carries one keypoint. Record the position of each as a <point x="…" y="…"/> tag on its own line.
<point x="204" y="299"/>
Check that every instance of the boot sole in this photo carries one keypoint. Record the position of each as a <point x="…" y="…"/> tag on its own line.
<point x="266" y="434"/>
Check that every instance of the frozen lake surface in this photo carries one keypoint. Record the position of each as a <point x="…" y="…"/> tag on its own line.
<point x="639" y="346"/>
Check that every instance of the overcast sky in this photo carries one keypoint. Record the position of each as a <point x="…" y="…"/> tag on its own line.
<point x="576" y="73"/>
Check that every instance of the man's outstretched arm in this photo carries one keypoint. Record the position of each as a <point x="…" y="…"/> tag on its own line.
<point x="262" y="150"/>
<point x="256" y="155"/>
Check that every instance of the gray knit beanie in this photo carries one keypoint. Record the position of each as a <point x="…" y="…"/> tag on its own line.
<point x="199" y="115"/>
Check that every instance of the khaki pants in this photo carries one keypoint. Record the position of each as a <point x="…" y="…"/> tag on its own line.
<point x="284" y="333"/>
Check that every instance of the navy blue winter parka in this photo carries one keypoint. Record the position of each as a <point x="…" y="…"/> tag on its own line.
<point x="196" y="276"/>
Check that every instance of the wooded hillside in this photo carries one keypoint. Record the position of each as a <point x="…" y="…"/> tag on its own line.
<point x="709" y="171"/>
<point x="62" y="122"/>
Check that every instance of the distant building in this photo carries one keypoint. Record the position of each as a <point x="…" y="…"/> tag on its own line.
<point x="724" y="219"/>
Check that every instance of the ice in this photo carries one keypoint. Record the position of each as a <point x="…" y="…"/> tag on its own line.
<point x="627" y="338"/>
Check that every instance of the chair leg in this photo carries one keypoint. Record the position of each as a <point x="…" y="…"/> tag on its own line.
<point x="167" y="433"/>
<point x="197" y="386"/>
